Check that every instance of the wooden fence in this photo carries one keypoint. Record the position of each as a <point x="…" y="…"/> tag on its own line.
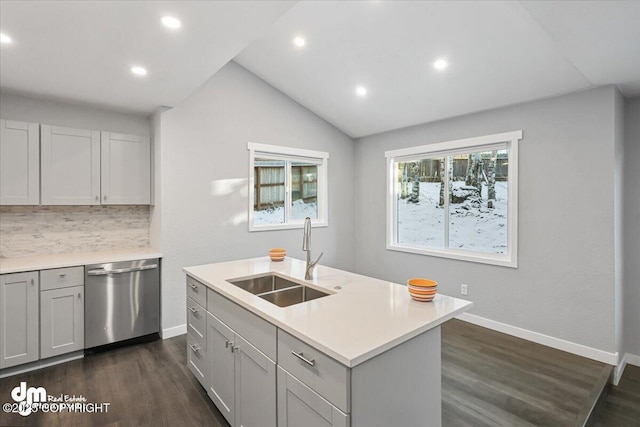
<point x="269" y="187"/>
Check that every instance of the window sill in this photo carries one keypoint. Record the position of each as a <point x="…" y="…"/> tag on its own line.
<point x="499" y="260"/>
<point x="290" y="226"/>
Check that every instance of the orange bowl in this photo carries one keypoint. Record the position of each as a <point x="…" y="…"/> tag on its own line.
<point x="277" y="254"/>
<point x="423" y="283"/>
<point x="422" y="292"/>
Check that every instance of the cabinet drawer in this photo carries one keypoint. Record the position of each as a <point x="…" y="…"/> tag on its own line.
<point x="197" y="291"/>
<point x="61" y="278"/>
<point x="197" y="359"/>
<point x="324" y="375"/>
<point x="260" y="333"/>
<point x="197" y="322"/>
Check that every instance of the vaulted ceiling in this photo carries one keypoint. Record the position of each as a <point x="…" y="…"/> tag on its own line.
<point x="498" y="53"/>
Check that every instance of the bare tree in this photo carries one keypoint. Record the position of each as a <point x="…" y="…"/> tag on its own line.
<point x="415" y="188"/>
<point x="441" y="201"/>
<point x="491" y="181"/>
<point x="404" y="183"/>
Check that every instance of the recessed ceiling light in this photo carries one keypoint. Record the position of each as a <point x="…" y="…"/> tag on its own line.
<point x="139" y="71"/>
<point x="171" y="22"/>
<point x="440" y="64"/>
<point x="299" y="41"/>
<point x="361" y="91"/>
<point x="5" y="39"/>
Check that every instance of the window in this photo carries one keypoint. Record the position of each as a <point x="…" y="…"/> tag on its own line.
<point x="286" y="185"/>
<point x="456" y="199"/>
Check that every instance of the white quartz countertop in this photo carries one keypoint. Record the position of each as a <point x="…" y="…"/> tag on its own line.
<point x="42" y="262"/>
<point x="361" y="320"/>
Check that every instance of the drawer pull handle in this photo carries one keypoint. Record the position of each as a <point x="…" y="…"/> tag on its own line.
<point x="234" y="348"/>
<point x="228" y="343"/>
<point x="62" y="276"/>
<point x="195" y="348"/>
<point x="193" y="310"/>
<point x="310" y="362"/>
<point x="194" y="287"/>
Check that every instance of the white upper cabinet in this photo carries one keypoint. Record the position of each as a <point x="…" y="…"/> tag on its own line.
<point x="126" y="169"/>
<point x="19" y="163"/>
<point x="70" y="163"/>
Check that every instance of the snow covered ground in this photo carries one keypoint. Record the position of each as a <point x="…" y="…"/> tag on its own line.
<point x="300" y="210"/>
<point x="472" y="227"/>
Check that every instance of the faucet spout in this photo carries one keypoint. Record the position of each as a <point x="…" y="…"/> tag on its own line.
<point x="306" y="246"/>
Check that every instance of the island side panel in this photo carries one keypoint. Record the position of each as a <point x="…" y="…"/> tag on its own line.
<point x="402" y="386"/>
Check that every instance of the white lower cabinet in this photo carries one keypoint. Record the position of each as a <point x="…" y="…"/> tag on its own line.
<point x="242" y="380"/>
<point x="19" y="318"/>
<point x="255" y="377"/>
<point x="197" y="341"/>
<point x="62" y="321"/>
<point x="61" y="311"/>
<point x="221" y="387"/>
<point x="298" y="405"/>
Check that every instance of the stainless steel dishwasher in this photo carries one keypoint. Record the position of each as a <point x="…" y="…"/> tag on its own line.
<point x="122" y="301"/>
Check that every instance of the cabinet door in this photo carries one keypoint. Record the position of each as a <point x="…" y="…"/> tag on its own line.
<point x="221" y="367"/>
<point x="126" y="169"/>
<point x="19" y="163"/>
<point x="18" y="318"/>
<point x="61" y="321"/>
<point x="255" y="378"/>
<point x="70" y="160"/>
<point x="298" y="405"/>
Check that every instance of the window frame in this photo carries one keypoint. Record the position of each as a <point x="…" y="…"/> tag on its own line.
<point x="510" y="139"/>
<point x="289" y="154"/>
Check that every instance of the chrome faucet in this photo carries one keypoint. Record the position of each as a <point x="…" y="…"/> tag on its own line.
<point x="306" y="246"/>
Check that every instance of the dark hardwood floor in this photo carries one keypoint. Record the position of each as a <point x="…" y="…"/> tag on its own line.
<point x="146" y="385"/>
<point x="493" y="379"/>
<point x="489" y="379"/>
<point x="622" y="405"/>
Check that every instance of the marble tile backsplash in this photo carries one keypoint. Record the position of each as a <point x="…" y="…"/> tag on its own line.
<point x="44" y="230"/>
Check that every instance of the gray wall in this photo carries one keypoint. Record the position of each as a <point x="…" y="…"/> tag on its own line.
<point x="632" y="226"/>
<point x="564" y="285"/>
<point x="204" y="148"/>
<point x="68" y="114"/>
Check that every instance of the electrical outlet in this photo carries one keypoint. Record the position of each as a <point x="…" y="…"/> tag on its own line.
<point x="464" y="289"/>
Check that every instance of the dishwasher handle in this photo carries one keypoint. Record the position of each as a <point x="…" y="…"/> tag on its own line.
<point x="103" y="272"/>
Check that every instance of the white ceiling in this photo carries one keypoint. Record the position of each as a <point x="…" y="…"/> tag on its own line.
<point x="83" y="50"/>
<point x="500" y="53"/>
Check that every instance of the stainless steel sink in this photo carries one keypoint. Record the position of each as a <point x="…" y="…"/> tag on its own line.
<point x="291" y="296"/>
<point x="261" y="284"/>
<point x="278" y="290"/>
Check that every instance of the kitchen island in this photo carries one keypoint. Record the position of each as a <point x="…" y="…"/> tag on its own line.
<point x="364" y="355"/>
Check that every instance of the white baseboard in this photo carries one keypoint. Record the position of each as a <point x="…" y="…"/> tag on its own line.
<point x="174" y="331"/>
<point x="627" y="359"/>
<point x="557" y="343"/>
<point x="39" y="364"/>
<point x="619" y="370"/>
<point x="633" y="359"/>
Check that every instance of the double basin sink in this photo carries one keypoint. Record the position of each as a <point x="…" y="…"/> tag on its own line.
<point x="278" y="290"/>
